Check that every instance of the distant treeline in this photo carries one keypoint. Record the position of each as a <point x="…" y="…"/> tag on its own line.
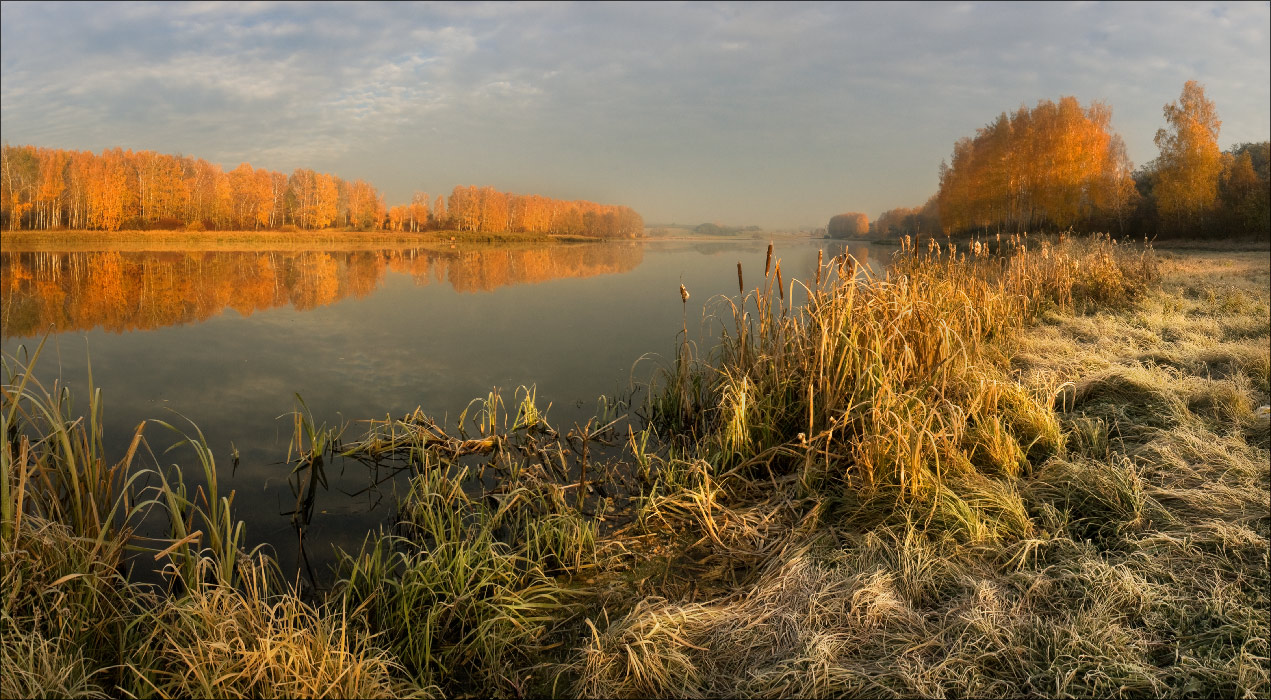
<point x="48" y="188"/>
<point x="721" y="230"/>
<point x="1059" y="166"/>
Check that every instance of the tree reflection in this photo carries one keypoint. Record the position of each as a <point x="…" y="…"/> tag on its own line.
<point x="126" y="291"/>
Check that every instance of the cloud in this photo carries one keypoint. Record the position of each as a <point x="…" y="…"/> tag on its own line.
<point x="750" y="113"/>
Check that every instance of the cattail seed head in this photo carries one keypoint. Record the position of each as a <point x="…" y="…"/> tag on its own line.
<point x="683" y="294"/>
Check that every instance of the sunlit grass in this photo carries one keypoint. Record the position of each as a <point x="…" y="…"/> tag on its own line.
<point x="1030" y="467"/>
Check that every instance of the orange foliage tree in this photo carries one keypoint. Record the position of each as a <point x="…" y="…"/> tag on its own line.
<point x="852" y="223"/>
<point x="42" y="188"/>
<point x="1055" y="165"/>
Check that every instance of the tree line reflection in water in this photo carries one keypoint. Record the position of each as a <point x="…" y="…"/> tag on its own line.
<point x="127" y="291"/>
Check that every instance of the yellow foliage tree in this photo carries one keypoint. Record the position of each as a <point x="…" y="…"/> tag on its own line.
<point x="1187" y="171"/>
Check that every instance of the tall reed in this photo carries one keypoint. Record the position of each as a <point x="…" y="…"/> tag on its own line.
<point x="884" y="382"/>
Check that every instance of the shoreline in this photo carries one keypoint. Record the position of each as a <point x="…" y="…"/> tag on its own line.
<point x="1088" y="487"/>
<point x="250" y="241"/>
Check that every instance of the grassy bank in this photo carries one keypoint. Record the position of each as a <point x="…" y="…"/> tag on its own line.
<point x="1026" y="468"/>
<point x="327" y="240"/>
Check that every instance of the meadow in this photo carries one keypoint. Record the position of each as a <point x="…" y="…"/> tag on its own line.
<point x="1010" y="466"/>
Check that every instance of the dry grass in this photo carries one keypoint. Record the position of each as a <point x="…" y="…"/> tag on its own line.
<point x="71" y="624"/>
<point x="1033" y="468"/>
<point x="1104" y="533"/>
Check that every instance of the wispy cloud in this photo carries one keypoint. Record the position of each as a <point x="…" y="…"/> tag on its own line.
<point x="763" y="113"/>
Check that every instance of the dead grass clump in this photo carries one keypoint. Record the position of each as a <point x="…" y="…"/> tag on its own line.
<point x="1216" y="587"/>
<point x="1132" y="398"/>
<point x="457" y="605"/>
<point x="1232" y="359"/>
<point x="1244" y="328"/>
<point x="981" y="510"/>
<point x="1200" y="475"/>
<point x="1101" y="499"/>
<point x="799" y="631"/>
<point x="63" y="610"/>
<point x="220" y="642"/>
<point x="33" y="666"/>
<point x="1223" y="405"/>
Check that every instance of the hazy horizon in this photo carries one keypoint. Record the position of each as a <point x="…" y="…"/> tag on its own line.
<point x="756" y="114"/>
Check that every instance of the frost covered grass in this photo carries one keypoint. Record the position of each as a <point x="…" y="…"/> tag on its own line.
<point x="1027" y="468"/>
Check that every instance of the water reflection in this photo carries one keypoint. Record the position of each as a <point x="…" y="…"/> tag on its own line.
<point x="130" y="291"/>
<point x="359" y="335"/>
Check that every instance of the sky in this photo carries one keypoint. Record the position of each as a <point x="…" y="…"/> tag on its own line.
<point x="776" y="115"/>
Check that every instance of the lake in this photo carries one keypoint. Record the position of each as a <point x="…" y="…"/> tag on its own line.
<point x="228" y="338"/>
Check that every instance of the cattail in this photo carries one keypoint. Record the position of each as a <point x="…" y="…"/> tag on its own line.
<point x="741" y="287"/>
<point x="820" y="255"/>
<point x="780" y="285"/>
<point x="767" y="264"/>
<point x="905" y="242"/>
<point x="683" y="294"/>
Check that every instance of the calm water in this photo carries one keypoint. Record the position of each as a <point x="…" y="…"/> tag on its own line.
<point x="227" y="339"/>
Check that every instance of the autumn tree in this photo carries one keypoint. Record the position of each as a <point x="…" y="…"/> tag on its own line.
<point x="416" y="215"/>
<point x="439" y="216"/>
<point x="19" y="171"/>
<point x="46" y="188"/>
<point x="1244" y="189"/>
<point x="846" y="225"/>
<point x="313" y="198"/>
<point x="1052" y="166"/>
<point x="464" y="207"/>
<point x="903" y="221"/>
<point x="365" y="206"/>
<point x="251" y="196"/>
<point x="1188" y="168"/>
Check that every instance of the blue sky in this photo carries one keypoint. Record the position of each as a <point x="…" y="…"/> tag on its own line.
<point x="769" y="114"/>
